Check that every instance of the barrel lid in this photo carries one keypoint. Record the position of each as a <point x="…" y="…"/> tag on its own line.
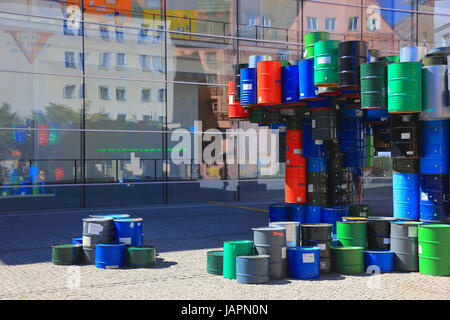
<point x="110" y="215"/>
<point x="215" y="253"/>
<point x="435" y="225"/>
<point x="238" y="241"/>
<point x="110" y="245"/>
<point x="407" y="222"/>
<point x="304" y="248"/>
<point x="67" y="245"/>
<point x="347" y="248"/>
<point x="128" y="219"/>
<point x="269" y="229"/>
<point x="281" y="223"/>
<point x="378" y="251"/>
<point x="382" y="218"/>
<point x="354" y="219"/>
<point x="140" y="248"/>
<point x="319" y="225"/>
<point x="97" y="219"/>
<point x="255" y="256"/>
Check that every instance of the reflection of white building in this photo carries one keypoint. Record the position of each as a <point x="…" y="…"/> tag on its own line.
<point x="441" y="23"/>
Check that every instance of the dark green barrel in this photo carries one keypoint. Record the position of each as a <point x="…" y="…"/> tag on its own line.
<point x="352" y="233"/>
<point x="326" y="63"/>
<point x="214" y="262"/>
<point x="310" y="39"/>
<point x="434" y="60"/>
<point x="406" y="165"/>
<point x="67" y="254"/>
<point x="357" y="210"/>
<point x="390" y="58"/>
<point x="405" y="87"/>
<point x="257" y="115"/>
<point x="140" y="257"/>
<point x="434" y="249"/>
<point x="370" y="151"/>
<point x="231" y="249"/>
<point x="347" y="259"/>
<point x="317" y="188"/>
<point x="374" y="85"/>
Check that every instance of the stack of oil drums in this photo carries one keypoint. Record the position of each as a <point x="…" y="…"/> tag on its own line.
<point x="109" y="241"/>
<point x="295" y="178"/>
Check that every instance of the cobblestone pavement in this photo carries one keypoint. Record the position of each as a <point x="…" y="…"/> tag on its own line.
<point x="182" y="235"/>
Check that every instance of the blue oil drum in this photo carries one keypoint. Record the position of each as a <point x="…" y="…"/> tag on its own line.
<point x="434" y="198"/>
<point x="298" y="212"/>
<point x="307" y="89"/>
<point x="253" y="269"/>
<point x="77" y="240"/>
<point x="20" y="136"/>
<point x="376" y="116"/>
<point x="248" y="86"/>
<point x="289" y="84"/>
<point x="354" y="159"/>
<point x="254" y="59"/>
<point x="109" y="256"/>
<point x="331" y="215"/>
<point x="406" y="195"/>
<point x="129" y="231"/>
<point x="304" y="262"/>
<point x="312" y="148"/>
<point x="434" y="146"/>
<point x="314" y="214"/>
<point x="316" y="165"/>
<point x="326" y="103"/>
<point x="110" y="215"/>
<point x="280" y="212"/>
<point x="378" y="260"/>
<point x="346" y="209"/>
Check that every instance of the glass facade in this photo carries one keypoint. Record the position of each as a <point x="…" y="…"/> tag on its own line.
<point x="93" y="93"/>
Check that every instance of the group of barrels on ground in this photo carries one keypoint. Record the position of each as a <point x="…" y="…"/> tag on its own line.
<point x="355" y="243"/>
<point x="109" y="241"/>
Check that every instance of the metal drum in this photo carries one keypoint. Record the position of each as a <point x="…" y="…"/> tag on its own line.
<point x="257" y="116"/>
<point x="272" y="242"/>
<point x="351" y="54"/>
<point x="235" y="110"/>
<point x="324" y="124"/>
<point x="405" y="87"/>
<point x="317" y="165"/>
<point x="280" y="212"/>
<point x="295" y="185"/>
<point x="96" y="231"/>
<point x="405" y="135"/>
<point x="347" y="260"/>
<point x="434" y="146"/>
<point x="232" y="249"/>
<point x="292" y="231"/>
<point x="307" y="89"/>
<point x="435" y="93"/>
<point x="317" y="189"/>
<point x="390" y="58"/>
<point x="109" y="256"/>
<point x="310" y="39"/>
<point x="374" y="85"/>
<point x="214" y="262"/>
<point x="141" y="257"/>
<point x="298" y="213"/>
<point x="352" y="233"/>
<point x="129" y="231"/>
<point x="405" y="165"/>
<point x="357" y="210"/>
<point x="253" y="269"/>
<point x="376" y="116"/>
<point x="406" y="195"/>
<point x="434" y="60"/>
<point x="434" y="249"/>
<point x="379" y="232"/>
<point x="67" y="254"/>
<point x="331" y="215"/>
<point x="404" y="244"/>
<point x="434" y="198"/>
<point x="319" y="235"/>
<point x="248" y="86"/>
<point x="290" y="84"/>
<point x="412" y="53"/>
<point x="326" y="63"/>
<point x="269" y="82"/>
<point x="237" y="79"/>
<point x="383" y="260"/>
<point x="313" y="214"/>
<point x="312" y="148"/>
<point x="294" y="149"/>
<point x="254" y="59"/>
<point x="304" y="262"/>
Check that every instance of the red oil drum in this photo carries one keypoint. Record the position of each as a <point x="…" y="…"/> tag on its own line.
<point x="59" y="174"/>
<point x="43" y="136"/>
<point x="235" y="110"/>
<point x="295" y="185"/>
<point x="269" y="82"/>
<point x="294" y="148"/>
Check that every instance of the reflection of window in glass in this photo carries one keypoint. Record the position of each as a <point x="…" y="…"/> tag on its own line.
<point x="104" y="93"/>
<point x="105" y="59"/>
<point x="69" y="59"/>
<point x="143" y="33"/>
<point x="372" y="24"/>
<point x="146" y="95"/>
<point x="161" y="95"/>
<point x="145" y="62"/>
<point x="121" y="61"/>
<point x="312" y="23"/>
<point x="69" y="91"/>
<point x="119" y="35"/>
<point x="210" y="57"/>
<point x="211" y="78"/>
<point x="180" y="29"/>
<point x="158" y="64"/>
<point x="267" y="21"/>
<point x="153" y="3"/>
<point x="353" y="24"/>
<point x="251" y="20"/>
<point x="121" y="94"/>
<point x="104" y="33"/>
<point x="214" y="107"/>
<point x="81" y="60"/>
<point x="283" y="55"/>
<point x="330" y="24"/>
<point x="446" y="39"/>
<point x="160" y="118"/>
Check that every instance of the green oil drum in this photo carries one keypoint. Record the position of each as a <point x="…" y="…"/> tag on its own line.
<point x="352" y="233"/>
<point x="434" y="249"/>
<point x="390" y="58"/>
<point x="214" y="262"/>
<point x="326" y="63"/>
<point x="405" y="87"/>
<point x="67" y="254"/>
<point x="257" y="115"/>
<point x="310" y="39"/>
<point x="370" y="151"/>
<point x="374" y="85"/>
<point x="357" y="210"/>
<point x="347" y="259"/>
<point x="284" y="63"/>
<point x="140" y="257"/>
<point x="232" y="249"/>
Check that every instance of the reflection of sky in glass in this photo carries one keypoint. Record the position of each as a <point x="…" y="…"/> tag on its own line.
<point x="393" y="17"/>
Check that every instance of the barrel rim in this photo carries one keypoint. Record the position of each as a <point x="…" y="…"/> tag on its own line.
<point x="97" y="219"/>
<point x="319" y="224"/>
<point x="407" y="222"/>
<point x="355" y="248"/>
<point x="139" y="248"/>
<point x="284" y="222"/>
<point x="435" y="225"/>
<point x="128" y="219"/>
<point x="214" y="252"/>
<point x="304" y="248"/>
<point x="377" y="251"/>
<point x="110" y="245"/>
<point x="66" y="245"/>
<point x="254" y="256"/>
<point x="238" y="242"/>
<point x="269" y="229"/>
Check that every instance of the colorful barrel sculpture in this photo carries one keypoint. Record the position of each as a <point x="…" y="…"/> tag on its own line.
<point x="352" y="233"/>
<point x="319" y="235"/>
<point x="351" y="54"/>
<point x="129" y="231"/>
<point x="310" y="39"/>
<point x="317" y="189"/>
<point x="434" y="146"/>
<point x="378" y="260"/>
<point x="404" y="244"/>
<point x="67" y="254"/>
<point x="232" y="249"/>
<point x="269" y="82"/>
<point x="405" y="87"/>
<point x="248" y="87"/>
<point x="272" y="242"/>
<point x="379" y="232"/>
<point x="140" y="257"/>
<point x="357" y="210"/>
<point x="406" y="195"/>
<point x="292" y="231"/>
<point x="307" y="90"/>
<point x="235" y="110"/>
<point x="405" y="135"/>
<point x="405" y="165"/>
<point x="237" y="80"/>
<point x="412" y="53"/>
<point x="298" y="213"/>
<point x="324" y="124"/>
<point x="331" y="215"/>
<point x="347" y="259"/>
<point x="313" y="214"/>
<point x="253" y="269"/>
<point x="326" y="63"/>
<point x="434" y="198"/>
<point x="290" y="84"/>
<point x="295" y="185"/>
<point x="257" y="116"/>
<point x="95" y="231"/>
<point x="214" y="262"/>
<point x="435" y="93"/>
<point x="312" y="148"/>
<point x="280" y="212"/>
<point x="434" y="249"/>
<point x="109" y="256"/>
<point x="304" y="262"/>
<point x="390" y="58"/>
<point x="294" y="149"/>
<point x="374" y="85"/>
<point x="254" y="59"/>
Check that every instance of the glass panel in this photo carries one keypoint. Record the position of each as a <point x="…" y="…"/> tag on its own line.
<point x="433" y="26"/>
